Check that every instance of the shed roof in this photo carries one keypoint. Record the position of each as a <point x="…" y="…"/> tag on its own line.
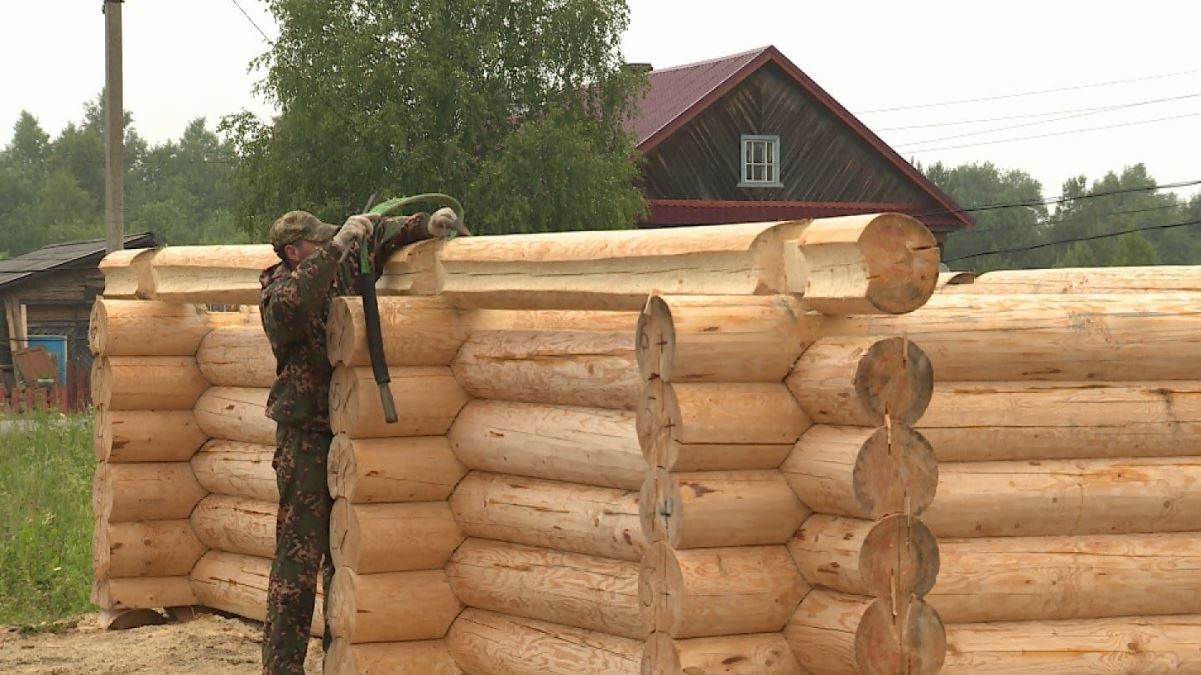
<point x="69" y="255"/>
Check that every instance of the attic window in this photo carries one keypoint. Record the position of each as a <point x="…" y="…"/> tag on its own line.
<point x="760" y="161"/>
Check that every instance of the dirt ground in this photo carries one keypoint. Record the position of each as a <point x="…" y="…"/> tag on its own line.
<point x="208" y="645"/>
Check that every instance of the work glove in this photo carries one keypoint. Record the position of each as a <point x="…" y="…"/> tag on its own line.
<point x="355" y="229"/>
<point x="444" y="221"/>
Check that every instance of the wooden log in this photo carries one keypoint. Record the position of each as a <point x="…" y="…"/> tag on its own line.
<point x="564" y="516"/>
<point x="428" y="400"/>
<point x="487" y="642"/>
<point x="1067" y="497"/>
<point x="236" y="414"/>
<point x="760" y="654"/>
<point x="127" y="273"/>
<point x="712" y="427"/>
<point x="426" y="657"/>
<point x="128" y="619"/>
<point x="123" y="493"/>
<point x="1030" y="420"/>
<point x="154" y="548"/>
<point x="146" y="382"/>
<point x="389" y="470"/>
<point x="952" y="281"/>
<point x="863" y="381"/>
<point x="577" y="445"/>
<point x="236" y="525"/>
<point x="1091" y="577"/>
<point x="719" y="508"/>
<point x="838" y="634"/>
<point x="718" y="591"/>
<point x="140" y="328"/>
<point x="237" y="584"/>
<point x="391" y="607"/>
<point x="574" y="321"/>
<point x="237" y="356"/>
<point x="416" y="331"/>
<point x="867" y="264"/>
<point x="896" y="557"/>
<point x="375" y="538"/>
<point x="146" y="435"/>
<point x="595" y="370"/>
<point x="1136" y="645"/>
<point x="413" y="270"/>
<point x="536" y="583"/>
<point x="142" y="592"/>
<point x="239" y="315"/>
<point x="211" y="274"/>
<point x="863" y="472"/>
<point x="1153" y="278"/>
<point x="715" y="338"/>
<point x="237" y="470"/>
<point x="1092" y="338"/>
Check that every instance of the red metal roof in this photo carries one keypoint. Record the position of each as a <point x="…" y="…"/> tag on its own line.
<point x="677" y="95"/>
<point x="667" y="212"/>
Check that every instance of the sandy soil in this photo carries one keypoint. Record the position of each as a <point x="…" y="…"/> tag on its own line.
<point x="208" y="645"/>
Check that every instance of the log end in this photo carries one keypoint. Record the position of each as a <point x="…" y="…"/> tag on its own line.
<point x="914" y="642"/>
<point x="651" y="420"/>
<point x="661" y="590"/>
<point x="344" y="535"/>
<point x="896" y="380"/>
<point x="900" y="555"/>
<point x="102" y="434"/>
<point x="343" y="604"/>
<point x="102" y="382"/>
<point x="896" y="472"/>
<point x="343" y="400"/>
<point x="343" y="467"/>
<point x="340" y="333"/>
<point x="655" y="348"/>
<point x="98" y="328"/>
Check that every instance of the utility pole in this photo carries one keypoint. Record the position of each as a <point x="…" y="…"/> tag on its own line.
<point x="114" y="129"/>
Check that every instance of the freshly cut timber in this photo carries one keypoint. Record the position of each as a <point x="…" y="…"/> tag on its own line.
<point x="895" y="557"/>
<point x="487" y="642"/>
<point x="1067" y="497"/>
<point x="146" y="435"/>
<point x="374" y="538"/>
<point x="236" y="525"/>
<point x="863" y="381"/>
<point x="1155" y="278"/>
<point x="210" y="274"/>
<point x="416" y="332"/>
<point x="719" y="338"/>
<point x="151" y="548"/>
<point x="236" y="414"/>
<point x="719" y="508"/>
<point x="140" y="328"/>
<point x="718" y="591"/>
<point x="123" y="493"/>
<point x="596" y="370"/>
<point x="863" y="472"/>
<point x="576" y="321"/>
<point x="238" y="584"/>
<point x="424" y="657"/>
<point x="146" y="382"/>
<point x="838" y="634"/>
<point x="127" y="274"/>
<point x="713" y="427"/>
<point x="143" y="592"/>
<point x="758" y="654"/>
<point x="386" y="470"/>
<point x="568" y="517"/>
<point x="413" y="270"/>
<point x="867" y="264"/>
<point x="537" y="583"/>
<point x="237" y="469"/>
<point x="576" y="445"/>
<point x="428" y="399"/>
<point x="1040" y="578"/>
<point x="237" y="356"/>
<point x="391" y="607"/>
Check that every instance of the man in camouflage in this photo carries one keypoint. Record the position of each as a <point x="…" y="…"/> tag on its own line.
<point x="295" y="304"/>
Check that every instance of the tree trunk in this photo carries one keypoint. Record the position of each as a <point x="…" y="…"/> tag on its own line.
<point x="863" y="381"/>
<point x="376" y="538"/>
<point x="391" y="607"/>
<point x="237" y="470"/>
<point x="427" y="400"/>
<point x="389" y="470"/>
<point x="494" y="644"/>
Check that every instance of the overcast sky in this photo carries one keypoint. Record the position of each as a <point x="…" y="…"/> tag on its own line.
<point x="185" y="59"/>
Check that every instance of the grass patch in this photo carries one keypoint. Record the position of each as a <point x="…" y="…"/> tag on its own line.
<point x="46" y="468"/>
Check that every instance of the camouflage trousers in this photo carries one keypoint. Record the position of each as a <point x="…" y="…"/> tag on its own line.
<point x="301" y="548"/>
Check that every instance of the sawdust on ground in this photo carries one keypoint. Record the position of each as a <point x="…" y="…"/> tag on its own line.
<point x="208" y="645"/>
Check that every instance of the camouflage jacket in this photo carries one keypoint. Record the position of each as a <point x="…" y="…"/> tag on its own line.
<point x="295" y="305"/>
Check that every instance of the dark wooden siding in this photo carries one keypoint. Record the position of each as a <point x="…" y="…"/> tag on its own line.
<point x="57" y="303"/>
<point x="821" y="160"/>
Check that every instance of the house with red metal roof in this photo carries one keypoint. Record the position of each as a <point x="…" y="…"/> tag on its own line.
<point x="750" y="137"/>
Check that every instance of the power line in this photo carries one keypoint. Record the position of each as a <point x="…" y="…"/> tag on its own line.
<point x="252" y="23"/>
<point x="963" y="234"/>
<point x="1062" y="199"/>
<point x="1058" y="133"/>
<point x="1002" y="118"/>
<point x="1073" y="240"/>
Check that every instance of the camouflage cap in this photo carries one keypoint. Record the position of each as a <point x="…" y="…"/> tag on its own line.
<point x="296" y="225"/>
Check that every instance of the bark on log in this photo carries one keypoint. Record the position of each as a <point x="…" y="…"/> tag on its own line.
<point x="391" y="607"/>
<point x="896" y="557"/>
<point x="141" y="328"/>
<point x="760" y="654"/>
<point x="595" y="370"/>
<point x="428" y="399"/>
<point x="142" y="592"/>
<point x="426" y="657"/>
<point x="536" y="583"/>
<point x="563" y="516"/>
<point x="863" y="381"/>
<point x="146" y="435"/>
<point x="863" y="472"/>
<point x="238" y="584"/>
<point x="236" y="525"/>
<point x="577" y="445"/>
<point x="719" y="508"/>
<point x="237" y="470"/>
<point x="147" y="382"/>
<point x="127" y="274"/>
<point x="376" y="538"/>
<point x="1155" y="278"/>
<point x="153" y="548"/>
<point x="714" y="338"/>
<point x="123" y="493"/>
<point x="1067" y="497"/>
<point x="718" y="591"/>
<point x="390" y="470"/>
<point x="210" y="274"/>
<point x="236" y="414"/>
<point x="839" y="634"/>
<point x="487" y="642"/>
<point x="713" y="427"/>
<point x="416" y="332"/>
<point x="237" y="356"/>
<point x="953" y="282"/>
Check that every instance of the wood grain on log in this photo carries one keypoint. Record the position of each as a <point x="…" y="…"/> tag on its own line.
<point x="389" y="470"/>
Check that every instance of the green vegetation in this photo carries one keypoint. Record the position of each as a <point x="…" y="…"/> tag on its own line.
<point x="46" y="467"/>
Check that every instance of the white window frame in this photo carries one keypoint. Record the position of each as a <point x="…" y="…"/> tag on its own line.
<point x="771" y="161"/>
